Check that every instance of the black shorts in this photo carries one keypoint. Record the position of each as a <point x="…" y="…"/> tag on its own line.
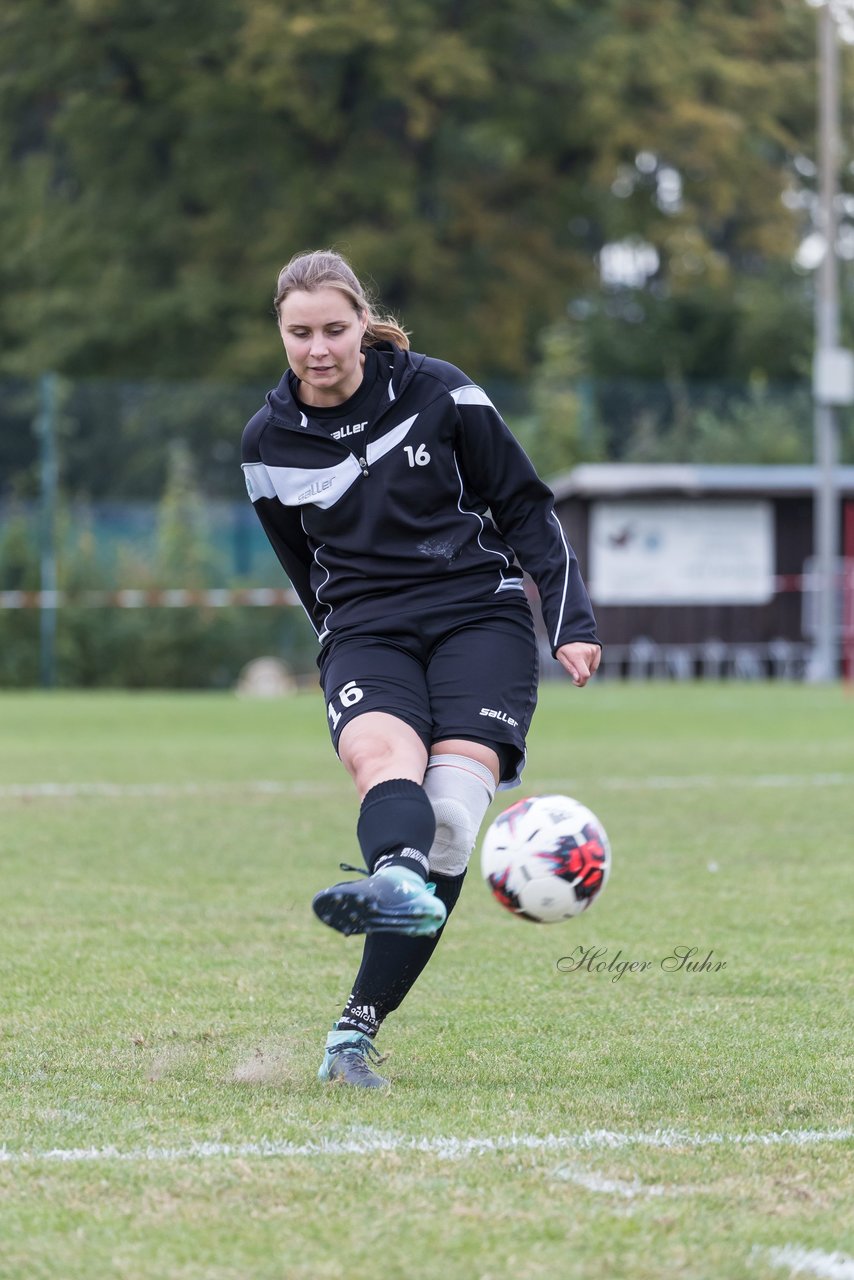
<point x="447" y="674"/>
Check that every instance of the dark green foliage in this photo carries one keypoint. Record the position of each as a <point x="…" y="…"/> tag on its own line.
<point x="100" y="646"/>
<point x="163" y="648"/>
<point x="159" y="161"/>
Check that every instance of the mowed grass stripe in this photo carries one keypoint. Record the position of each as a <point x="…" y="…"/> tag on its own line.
<point x="166" y="991"/>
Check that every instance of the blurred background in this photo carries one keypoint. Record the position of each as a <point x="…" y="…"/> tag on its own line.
<point x="630" y="221"/>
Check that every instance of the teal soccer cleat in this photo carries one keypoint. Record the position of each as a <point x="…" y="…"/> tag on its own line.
<point x="392" y="900"/>
<point x="347" y="1058"/>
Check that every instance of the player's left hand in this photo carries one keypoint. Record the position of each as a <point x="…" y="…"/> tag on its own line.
<point x="580" y="660"/>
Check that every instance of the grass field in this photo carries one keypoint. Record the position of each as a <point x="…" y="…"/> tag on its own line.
<point x="166" y="992"/>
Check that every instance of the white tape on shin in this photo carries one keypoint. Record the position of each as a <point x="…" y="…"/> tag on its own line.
<point x="460" y="791"/>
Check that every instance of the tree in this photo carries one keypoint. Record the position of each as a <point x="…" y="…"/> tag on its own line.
<point x="561" y="430"/>
<point x="706" y="116"/>
<point x="158" y="162"/>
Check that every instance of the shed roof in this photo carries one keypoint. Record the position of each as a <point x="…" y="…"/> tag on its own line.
<point x="621" y="479"/>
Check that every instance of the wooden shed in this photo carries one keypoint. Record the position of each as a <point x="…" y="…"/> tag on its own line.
<point x="701" y="570"/>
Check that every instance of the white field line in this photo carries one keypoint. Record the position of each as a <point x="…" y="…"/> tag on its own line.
<point x="705" y="781"/>
<point x="372" y="1142"/>
<point x="120" y="790"/>
<point x="808" y="1262"/>
<point x="174" y="790"/>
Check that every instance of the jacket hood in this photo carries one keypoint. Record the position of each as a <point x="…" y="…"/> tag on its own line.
<point x="284" y="408"/>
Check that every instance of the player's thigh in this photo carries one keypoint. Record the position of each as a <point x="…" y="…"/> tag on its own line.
<point x="482" y="680"/>
<point x="366" y="674"/>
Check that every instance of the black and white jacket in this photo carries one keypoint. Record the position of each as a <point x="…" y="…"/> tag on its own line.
<point x="435" y="502"/>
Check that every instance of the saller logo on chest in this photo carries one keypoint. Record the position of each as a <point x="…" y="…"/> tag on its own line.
<point x="354" y="429"/>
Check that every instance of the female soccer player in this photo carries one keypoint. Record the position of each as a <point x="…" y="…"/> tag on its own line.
<point x="401" y="508"/>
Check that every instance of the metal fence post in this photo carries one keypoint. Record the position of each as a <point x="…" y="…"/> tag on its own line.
<point x="48" y="472"/>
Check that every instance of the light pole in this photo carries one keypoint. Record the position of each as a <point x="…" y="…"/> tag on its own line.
<point x="833" y="367"/>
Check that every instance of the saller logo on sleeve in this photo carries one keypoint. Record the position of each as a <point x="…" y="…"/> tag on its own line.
<point x="318" y="487"/>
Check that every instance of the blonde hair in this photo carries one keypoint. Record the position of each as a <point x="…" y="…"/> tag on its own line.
<point x="326" y="269"/>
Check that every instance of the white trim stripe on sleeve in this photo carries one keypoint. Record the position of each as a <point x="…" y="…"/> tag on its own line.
<point x="258" y="482"/>
<point x="559" y="623"/>
<point x="471" y="395"/>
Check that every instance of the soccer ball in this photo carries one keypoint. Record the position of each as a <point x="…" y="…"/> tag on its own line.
<point x="546" y="858"/>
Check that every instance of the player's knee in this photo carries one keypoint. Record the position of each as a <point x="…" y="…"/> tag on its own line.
<point x="456" y="833"/>
<point x="460" y="790"/>
<point x="374" y="749"/>
<point x="365" y="758"/>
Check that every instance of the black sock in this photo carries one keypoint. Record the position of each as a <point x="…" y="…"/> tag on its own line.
<point x="396" y="826"/>
<point x="391" y="963"/>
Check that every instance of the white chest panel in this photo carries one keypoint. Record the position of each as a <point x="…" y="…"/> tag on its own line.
<point x="318" y="486"/>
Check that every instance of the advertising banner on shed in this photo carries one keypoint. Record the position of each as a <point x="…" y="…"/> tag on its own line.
<point x="671" y="551"/>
